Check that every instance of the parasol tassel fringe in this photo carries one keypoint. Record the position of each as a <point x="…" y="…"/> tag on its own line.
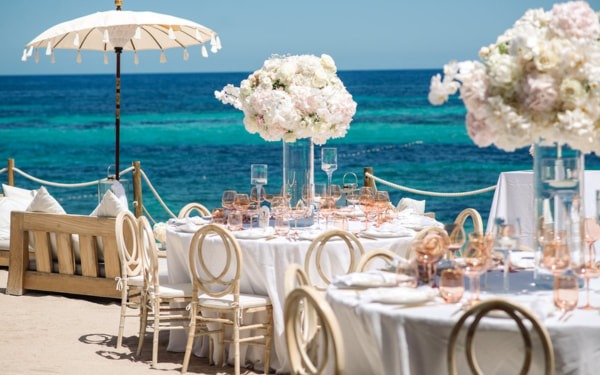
<point x="218" y="43"/>
<point x="186" y="55"/>
<point x="105" y="58"/>
<point x="52" y="60"/>
<point x="30" y="51"/>
<point x="199" y="36"/>
<point x="37" y="56"/>
<point x="78" y="57"/>
<point x="214" y="49"/>
<point x="172" y="34"/>
<point x="138" y="33"/>
<point x="24" y="57"/>
<point x="135" y="58"/>
<point x="76" y="41"/>
<point x="204" y="52"/>
<point x="49" y="49"/>
<point x="163" y="58"/>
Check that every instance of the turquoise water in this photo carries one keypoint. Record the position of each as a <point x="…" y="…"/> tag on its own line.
<point x="192" y="147"/>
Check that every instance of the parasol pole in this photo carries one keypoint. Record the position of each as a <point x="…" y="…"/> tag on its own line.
<point x="118" y="50"/>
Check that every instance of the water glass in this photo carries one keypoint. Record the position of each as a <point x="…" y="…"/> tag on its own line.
<point x="235" y="220"/>
<point x="282" y="225"/>
<point x="340" y="222"/>
<point x="452" y="285"/>
<point x="407" y="273"/>
<point x="566" y="292"/>
<point x="218" y="216"/>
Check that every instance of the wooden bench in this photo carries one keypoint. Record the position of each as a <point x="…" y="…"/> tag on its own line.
<point x="62" y="273"/>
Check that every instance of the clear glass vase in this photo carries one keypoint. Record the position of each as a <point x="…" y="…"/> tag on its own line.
<point x="298" y="174"/>
<point x="558" y="200"/>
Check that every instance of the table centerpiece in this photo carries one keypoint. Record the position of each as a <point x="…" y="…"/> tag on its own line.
<point x="538" y="84"/>
<point x="299" y="100"/>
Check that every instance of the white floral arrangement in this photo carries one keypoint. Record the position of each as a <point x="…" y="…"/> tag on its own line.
<point x="293" y="97"/>
<point x="160" y="232"/>
<point x="539" y="81"/>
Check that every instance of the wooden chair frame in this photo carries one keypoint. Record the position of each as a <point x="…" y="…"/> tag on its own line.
<point x="317" y="246"/>
<point x="216" y="299"/>
<point x="298" y="303"/>
<point x="190" y="208"/>
<point x="368" y="257"/>
<point x="515" y="312"/>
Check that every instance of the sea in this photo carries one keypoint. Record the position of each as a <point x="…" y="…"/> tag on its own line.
<point x="192" y="147"/>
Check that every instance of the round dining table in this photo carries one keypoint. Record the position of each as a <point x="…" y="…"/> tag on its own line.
<point x="265" y="259"/>
<point x="397" y="336"/>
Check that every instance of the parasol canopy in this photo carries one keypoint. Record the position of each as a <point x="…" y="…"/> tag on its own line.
<point x="119" y="31"/>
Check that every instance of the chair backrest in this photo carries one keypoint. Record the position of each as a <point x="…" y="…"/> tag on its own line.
<point x="300" y="302"/>
<point x="189" y="208"/>
<point x="475" y="217"/>
<point x="373" y="257"/>
<point x="317" y="253"/>
<point x="294" y="277"/>
<point x="215" y="268"/>
<point x="516" y="312"/>
<point x="126" y="230"/>
<point x="147" y="242"/>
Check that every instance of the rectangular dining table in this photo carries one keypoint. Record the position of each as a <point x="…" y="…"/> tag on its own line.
<point x="264" y="262"/>
<point x="400" y="338"/>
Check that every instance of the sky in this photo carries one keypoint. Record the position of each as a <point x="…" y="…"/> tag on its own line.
<point x="358" y="34"/>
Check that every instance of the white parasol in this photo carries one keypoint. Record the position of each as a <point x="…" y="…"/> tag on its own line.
<point x="119" y="31"/>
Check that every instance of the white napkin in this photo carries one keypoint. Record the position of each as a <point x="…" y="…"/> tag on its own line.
<point x="365" y="279"/>
<point x="195" y="220"/>
<point x="399" y="295"/>
<point x="416" y="222"/>
<point x="254" y="233"/>
<point x="522" y="259"/>
<point x="390" y="230"/>
<point x="188" y="227"/>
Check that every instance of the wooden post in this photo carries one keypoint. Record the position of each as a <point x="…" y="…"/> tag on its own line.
<point x="137" y="189"/>
<point x="368" y="181"/>
<point x="10" y="173"/>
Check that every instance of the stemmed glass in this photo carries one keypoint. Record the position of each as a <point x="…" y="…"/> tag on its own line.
<point x="349" y="184"/>
<point x="227" y="199"/>
<point x="258" y="176"/>
<point x="316" y="198"/>
<point x="566" y="293"/>
<point x="430" y="249"/>
<point x="335" y="192"/>
<point x="382" y="201"/>
<point x="241" y="202"/>
<point x="366" y="201"/>
<point x="555" y="253"/>
<point x="329" y="161"/>
<point x="352" y="197"/>
<point x="584" y="260"/>
<point x="475" y="260"/>
<point x="507" y="239"/>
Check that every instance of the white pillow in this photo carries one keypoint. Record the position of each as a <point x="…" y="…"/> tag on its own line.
<point x="418" y="207"/>
<point x="44" y="202"/>
<point x="119" y="191"/>
<point x="7" y="205"/>
<point x="110" y="206"/>
<point x="22" y="195"/>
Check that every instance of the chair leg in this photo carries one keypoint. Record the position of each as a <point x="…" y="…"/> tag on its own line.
<point x="143" y="325"/>
<point x="156" y="332"/>
<point x="124" y="295"/>
<point x="236" y="343"/>
<point x="190" y="340"/>
<point x="269" y="335"/>
<point x="220" y="338"/>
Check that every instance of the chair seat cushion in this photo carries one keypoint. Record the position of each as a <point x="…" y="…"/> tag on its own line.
<point x="136" y="281"/>
<point x="174" y="290"/>
<point x="246" y="301"/>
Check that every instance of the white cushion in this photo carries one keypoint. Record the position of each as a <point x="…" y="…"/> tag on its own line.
<point x="173" y="290"/>
<point x="246" y="301"/>
<point x="4" y="244"/>
<point x="136" y="281"/>
<point x="109" y="206"/>
<point x="23" y="195"/>
<point x="7" y="205"/>
<point x="119" y="191"/>
<point x="44" y="202"/>
<point x="418" y="207"/>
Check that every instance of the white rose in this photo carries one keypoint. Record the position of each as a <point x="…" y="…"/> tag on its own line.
<point x="571" y="93"/>
<point x="328" y="63"/>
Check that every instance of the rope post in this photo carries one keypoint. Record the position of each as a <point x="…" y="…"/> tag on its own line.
<point x="368" y="181"/>
<point x="137" y="189"/>
<point x="10" y="173"/>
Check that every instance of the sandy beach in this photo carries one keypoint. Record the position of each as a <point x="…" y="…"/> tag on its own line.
<point x="44" y="333"/>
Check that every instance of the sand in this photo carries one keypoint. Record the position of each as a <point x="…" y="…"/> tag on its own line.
<point x="42" y="333"/>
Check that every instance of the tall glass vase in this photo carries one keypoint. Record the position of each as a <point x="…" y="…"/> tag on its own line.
<point x="298" y="174"/>
<point x="559" y="206"/>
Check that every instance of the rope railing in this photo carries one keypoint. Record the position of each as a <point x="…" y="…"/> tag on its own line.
<point x="430" y="193"/>
<point x="156" y="195"/>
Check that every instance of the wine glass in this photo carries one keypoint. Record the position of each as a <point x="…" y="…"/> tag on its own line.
<point x="335" y="192"/>
<point x="430" y="249"/>
<point x="352" y="198"/>
<point x="555" y="254"/>
<point x="327" y="208"/>
<point x="258" y="176"/>
<point x="584" y="260"/>
<point x="407" y="272"/>
<point x="475" y="260"/>
<point x="506" y="239"/>
<point x="318" y="196"/>
<point x="566" y="293"/>
<point x="452" y="285"/>
<point x="329" y="161"/>
<point x="227" y="199"/>
<point x="241" y="202"/>
<point x="382" y="201"/>
<point x="366" y="201"/>
<point x="457" y="236"/>
<point x="349" y="183"/>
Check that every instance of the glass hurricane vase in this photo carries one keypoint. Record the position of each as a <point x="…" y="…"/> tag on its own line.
<point x="298" y="172"/>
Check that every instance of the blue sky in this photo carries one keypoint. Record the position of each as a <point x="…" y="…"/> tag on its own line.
<point x="359" y="35"/>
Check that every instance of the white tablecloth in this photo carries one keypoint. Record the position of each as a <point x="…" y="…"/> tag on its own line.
<point x="514" y="195"/>
<point x="263" y="273"/>
<point x="389" y="339"/>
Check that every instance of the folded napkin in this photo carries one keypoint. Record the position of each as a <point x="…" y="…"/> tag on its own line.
<point x="522" y="259"/>
<point x="399" y="295"/>
<point x="390" y="230"/>
<point x="254" y="233"/>
<point x="365" y="279"/>
<point x="187" y="227"/>
<point x="416" y="222"/>
<point x="196" y="220"/>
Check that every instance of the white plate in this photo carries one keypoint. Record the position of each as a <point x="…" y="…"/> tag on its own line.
<point x="399" y="295"/>
<point x="522" y="259"/>
<point x="254" y="233"/>
<point x="397" y="232"/>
